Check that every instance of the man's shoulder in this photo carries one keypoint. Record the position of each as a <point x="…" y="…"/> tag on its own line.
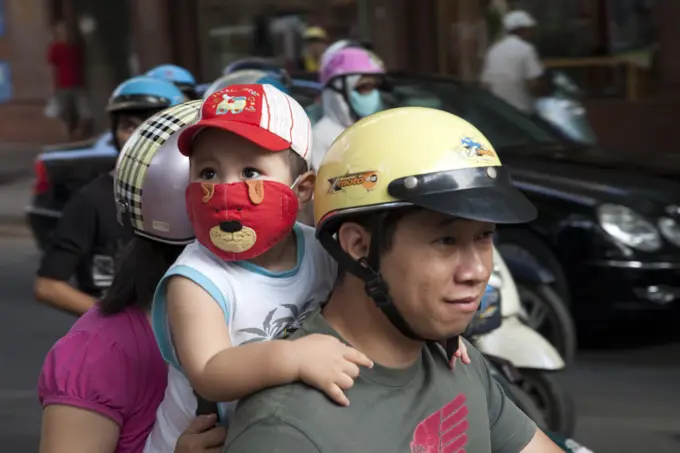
<point x="285" y="405"/>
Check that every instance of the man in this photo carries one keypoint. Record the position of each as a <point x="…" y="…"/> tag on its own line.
<point x="88" y="236"/>
<point x="408" y="211"/>
<point x="315" y="43"/>
<point x="66" y="59"/>
<point x="512" y="70"/>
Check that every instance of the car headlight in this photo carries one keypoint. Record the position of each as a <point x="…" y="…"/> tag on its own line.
<point x="629" y="227"/>
<point x="670" y="229"/>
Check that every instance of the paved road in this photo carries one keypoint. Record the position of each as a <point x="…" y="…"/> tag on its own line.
<point x="628" y="399"/>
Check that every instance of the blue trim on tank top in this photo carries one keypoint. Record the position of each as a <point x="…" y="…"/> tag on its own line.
<point x="300" y="245"/>
<point x="159" y="309"/>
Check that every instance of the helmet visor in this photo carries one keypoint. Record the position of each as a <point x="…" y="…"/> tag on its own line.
<point x="482" y="193"/>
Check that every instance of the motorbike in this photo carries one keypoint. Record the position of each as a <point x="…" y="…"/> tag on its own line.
<point x="536" y="360"/>
<point x="509" y="379"/>
<point x="564" y="109"/>
<point x="543" y="309"/>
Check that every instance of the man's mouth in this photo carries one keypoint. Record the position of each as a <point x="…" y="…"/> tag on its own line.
<point x="465" y="304"/>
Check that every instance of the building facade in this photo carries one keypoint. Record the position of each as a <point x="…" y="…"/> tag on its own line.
<point x="449" y="37"/>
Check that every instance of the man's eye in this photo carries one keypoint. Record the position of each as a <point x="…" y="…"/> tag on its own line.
<point x="251" y="173"/>
<point x="446" y="240"/>
<point x="488" y="235"/>
<point x="208" y="174"/>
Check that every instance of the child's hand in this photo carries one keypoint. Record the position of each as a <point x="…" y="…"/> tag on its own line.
<point x="461" y="354"/>
<point x="328" y="364"/>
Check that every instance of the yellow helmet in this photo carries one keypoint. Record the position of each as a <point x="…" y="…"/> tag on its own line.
<point x="416" y="156"/>
<point x="409" y="156"/>
<point x="315" y="33"/>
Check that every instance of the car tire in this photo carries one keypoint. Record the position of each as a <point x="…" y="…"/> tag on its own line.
<point x="558" y="327"/>
<point x="536" y="247"/>
<point x="555" y="403"/>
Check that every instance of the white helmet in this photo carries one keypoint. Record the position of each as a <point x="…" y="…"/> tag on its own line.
<point x="151" y="177"/>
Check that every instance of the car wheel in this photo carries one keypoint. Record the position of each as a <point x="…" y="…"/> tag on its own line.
<point x="552" y="399"/>
<point x="547" y="314"/>
<point x="536" y="247"/>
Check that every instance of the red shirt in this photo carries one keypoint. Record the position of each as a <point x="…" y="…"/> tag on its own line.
<point x="67" y="62"/>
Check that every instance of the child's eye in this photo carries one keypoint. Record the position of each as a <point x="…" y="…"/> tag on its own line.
<point x="251" y="173"/>
<point x="208" y="174"/>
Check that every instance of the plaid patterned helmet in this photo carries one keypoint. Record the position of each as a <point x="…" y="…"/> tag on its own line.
<point x="151" y="177"/>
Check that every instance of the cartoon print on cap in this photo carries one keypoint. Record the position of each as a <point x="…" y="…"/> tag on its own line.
<point x="233" y="104"/>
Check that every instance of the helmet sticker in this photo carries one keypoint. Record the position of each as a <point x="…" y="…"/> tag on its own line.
<point x="473" y="152"/>
<point x="355" y="185"/>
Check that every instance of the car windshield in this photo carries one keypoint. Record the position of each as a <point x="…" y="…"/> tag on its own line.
<point x="502" y="124"/>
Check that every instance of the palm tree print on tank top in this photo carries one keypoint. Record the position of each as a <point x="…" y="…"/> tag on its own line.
<point x="283" y="325"/>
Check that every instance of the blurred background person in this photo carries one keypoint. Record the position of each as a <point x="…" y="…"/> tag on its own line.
<point x="512" y="70"/>
<point x="315" y="43"/>
<point x="65" y="56"/>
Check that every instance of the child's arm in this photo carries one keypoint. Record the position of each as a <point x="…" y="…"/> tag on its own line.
<point x="220" y="372"/>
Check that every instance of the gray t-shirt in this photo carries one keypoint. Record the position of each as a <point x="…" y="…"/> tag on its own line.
<point x="424" y="408"/>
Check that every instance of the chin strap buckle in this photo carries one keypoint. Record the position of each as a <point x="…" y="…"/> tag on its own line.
<point x="376" y="288"/>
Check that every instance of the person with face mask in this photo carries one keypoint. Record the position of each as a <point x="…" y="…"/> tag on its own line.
<point x="350" y="78"/>
<point x="88" y="237"/>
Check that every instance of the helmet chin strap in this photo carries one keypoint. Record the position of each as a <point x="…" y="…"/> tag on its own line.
<point x="368" y="270"/>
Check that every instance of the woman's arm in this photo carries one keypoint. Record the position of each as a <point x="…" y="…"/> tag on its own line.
<point x="68" y="429"/>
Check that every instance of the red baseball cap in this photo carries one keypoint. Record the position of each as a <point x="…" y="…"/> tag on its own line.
<point x="262" y="114"/>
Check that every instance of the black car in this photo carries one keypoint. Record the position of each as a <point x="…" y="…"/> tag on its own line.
<point x="608" y="226"/>
<point x="60" y="171"/>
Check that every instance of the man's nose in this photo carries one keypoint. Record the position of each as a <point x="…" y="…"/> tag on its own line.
<point x="231" y="226"/>
<point x="472" y="269"/>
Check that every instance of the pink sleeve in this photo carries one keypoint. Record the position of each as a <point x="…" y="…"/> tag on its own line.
<point x="87" y="371"/>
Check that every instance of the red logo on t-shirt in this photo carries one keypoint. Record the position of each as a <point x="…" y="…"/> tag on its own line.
<point x="444" y="431"/>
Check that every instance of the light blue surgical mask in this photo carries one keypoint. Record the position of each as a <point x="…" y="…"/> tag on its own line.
<point x="365" y="104"/>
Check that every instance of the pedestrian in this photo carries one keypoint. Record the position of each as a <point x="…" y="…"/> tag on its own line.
<point x="408" y="210"/>
<point x="512" y="70"/>
<point x="315" y="40"/>
<point x="65" y="56"/>
<point x="88" y="238"/>
<point x="101" y="384"/>
<point x="350" y="79"/>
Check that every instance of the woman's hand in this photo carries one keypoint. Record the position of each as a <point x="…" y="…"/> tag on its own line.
<point x="202" y="436"/>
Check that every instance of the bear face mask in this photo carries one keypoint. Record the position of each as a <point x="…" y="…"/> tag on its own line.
<point x="242" y="220"/>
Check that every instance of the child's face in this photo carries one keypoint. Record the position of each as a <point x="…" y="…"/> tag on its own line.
<point x="223" y="157"/>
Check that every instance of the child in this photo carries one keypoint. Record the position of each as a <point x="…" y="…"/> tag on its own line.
<point x="253" y="272"/>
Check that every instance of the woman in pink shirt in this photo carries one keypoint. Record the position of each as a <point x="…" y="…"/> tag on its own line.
<point x="102" y="382"/>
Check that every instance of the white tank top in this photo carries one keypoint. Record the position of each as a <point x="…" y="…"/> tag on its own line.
<point x="258" y="305"/>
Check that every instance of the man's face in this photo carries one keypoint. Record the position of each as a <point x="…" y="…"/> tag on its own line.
<point x="437" y="270"/>
<point x="126" y="125"/>
<point x="316" y="47"/>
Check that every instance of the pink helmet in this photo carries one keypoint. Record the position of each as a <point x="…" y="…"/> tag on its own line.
<point x="350" y="61"/>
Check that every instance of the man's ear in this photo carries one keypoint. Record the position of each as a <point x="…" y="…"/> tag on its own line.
<point x="354" y="240"/>
<point x="305" y="187"/>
